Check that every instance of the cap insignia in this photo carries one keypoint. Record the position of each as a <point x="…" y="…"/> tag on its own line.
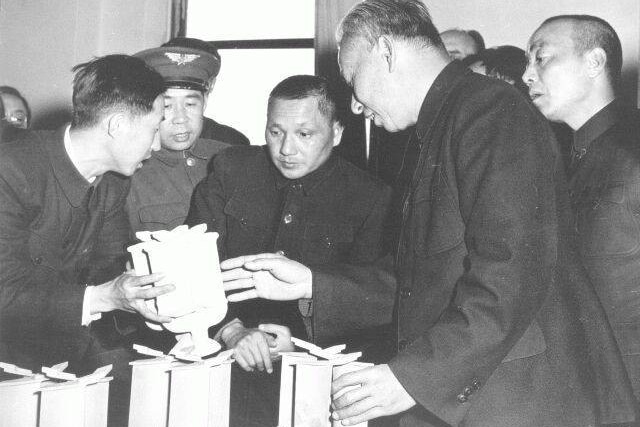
<point x="181" y="58"/>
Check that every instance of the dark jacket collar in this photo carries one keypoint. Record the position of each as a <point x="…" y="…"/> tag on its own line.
<point x="199" y="149"/>
<point x="73" y="184"/>
<point x="309" y="182"/>
<point x="596" y="126"/>
<point x="437" y="95"/>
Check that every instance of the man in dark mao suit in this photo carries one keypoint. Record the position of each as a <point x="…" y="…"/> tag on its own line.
<point x="497" y="324"/>
<point x="63" y="227"/>
<point x="604" y="172"/>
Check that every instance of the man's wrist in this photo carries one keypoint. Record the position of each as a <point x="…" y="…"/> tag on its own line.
<point x="87" y="316"/>
<point x="99" y="300"/>
<point x="230" y="330"/>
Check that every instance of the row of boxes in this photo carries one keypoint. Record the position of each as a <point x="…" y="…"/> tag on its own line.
<point x="55" y="399"/>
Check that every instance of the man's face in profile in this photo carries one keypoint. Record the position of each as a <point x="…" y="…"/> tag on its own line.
<point x="299" y="137"/>
<point x="136" y="139"/>
<point x="556" y="74"/>
<point x="365" y="70"/>
<point x="182" y="124"/>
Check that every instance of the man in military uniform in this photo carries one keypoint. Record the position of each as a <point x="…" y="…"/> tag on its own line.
<point x="574" y="66"/>
<point x="295" y="197"/>
<point x="211" y="129"/>
<point x="160" y="194"/>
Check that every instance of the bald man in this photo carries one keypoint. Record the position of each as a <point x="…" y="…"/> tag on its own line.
<point x="574" y="65"/>
<point x="461" y="43"/>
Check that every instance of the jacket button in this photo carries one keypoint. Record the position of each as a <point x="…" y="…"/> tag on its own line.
<point x="476" y="384"/>
<point x="461" y="398"/>
<point x="243" y="221"/>
<point x="37" y="260"/>
<point x="191" y="161"/>
<point x="297" y="186"/>
<point x="327" y="241"/>
<point x="402" y="344"/>
<point x="288" y="218"/>
<point x="405" y="292"/>
<point x="467" y="391"/>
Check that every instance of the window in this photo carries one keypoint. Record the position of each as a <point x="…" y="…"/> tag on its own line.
<point x="260" y="42"/>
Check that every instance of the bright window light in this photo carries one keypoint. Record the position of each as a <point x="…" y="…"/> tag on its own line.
<point x="251" y="19"/>
<point x="239" y="98"/>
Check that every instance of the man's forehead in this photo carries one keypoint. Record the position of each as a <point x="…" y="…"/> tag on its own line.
<point x="11" y="101"/>
<point x="173" y="92"/>
<point x="301" y="111"/>
<point x="556" y="33"/>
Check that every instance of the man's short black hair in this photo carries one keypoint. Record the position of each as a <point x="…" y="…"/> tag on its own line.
<point x="590" y="32"/>
<point x="113" y="83"/>
<point x="506" y="63"/>
<point x="305" y="86"/>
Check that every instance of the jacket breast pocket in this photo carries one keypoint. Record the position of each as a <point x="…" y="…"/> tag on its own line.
<point x="45" y="256"/>
<point x="606" y="224"/>
<point x="247" y="225"/>
<point x="163" y="217"/>
<point x="325" y="243"/>
<point x="435" y="225"/>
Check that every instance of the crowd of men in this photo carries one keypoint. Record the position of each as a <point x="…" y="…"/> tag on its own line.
<point x="506" y="293"/>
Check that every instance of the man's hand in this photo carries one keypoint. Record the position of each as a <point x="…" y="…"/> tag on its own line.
<point x="251" y="347"/>
<point x="282" y="340"/>
<point x="129" y="292"/>
<point x="380" y="394"/>
<point x="269" y="276"/>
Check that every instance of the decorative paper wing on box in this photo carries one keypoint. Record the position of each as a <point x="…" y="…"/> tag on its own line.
<point x="188" y="258"/>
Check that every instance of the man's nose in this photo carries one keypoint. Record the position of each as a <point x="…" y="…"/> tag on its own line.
<point x="356" y="106"/>
<point x="179" y="115"/>
<point x="529" y="75"/>
<point x="288" y="147"/>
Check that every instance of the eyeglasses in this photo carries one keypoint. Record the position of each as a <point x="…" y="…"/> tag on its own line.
<point x="17" y="119"/>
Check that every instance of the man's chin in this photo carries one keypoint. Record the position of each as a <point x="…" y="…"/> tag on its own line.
<point x="291" y="172"/>
<point x="178" y="146"/>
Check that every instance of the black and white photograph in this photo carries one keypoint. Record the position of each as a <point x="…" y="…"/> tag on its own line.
<point x="319" y="213"/>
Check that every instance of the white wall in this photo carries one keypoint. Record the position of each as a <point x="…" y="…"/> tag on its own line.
<point x="513" y="21"/>
<point x="41" y="40"/>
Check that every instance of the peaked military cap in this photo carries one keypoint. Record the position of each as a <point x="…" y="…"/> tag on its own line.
<point x="182" y="67"/>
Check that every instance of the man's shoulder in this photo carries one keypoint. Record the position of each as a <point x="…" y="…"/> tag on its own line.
<point x="211" y="146"/>
<point x="490" y="102"/>
<point x="359" y="179"/>
<point x="28" y="153"/>
<point x="242" y="155"/>
<point x="219" y="132"/>
<point x="485" y="90"/>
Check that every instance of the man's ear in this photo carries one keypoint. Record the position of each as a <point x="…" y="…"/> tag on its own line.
<point x="115" y="124"/>
<point x="337" y="130"/>
<point x="387" y="49"/>
<point x="596" y="61"/>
